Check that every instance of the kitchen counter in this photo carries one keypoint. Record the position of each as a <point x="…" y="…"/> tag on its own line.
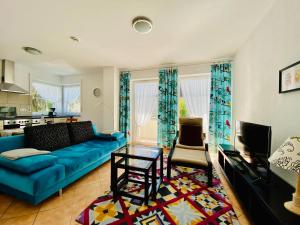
<point x="13" y="129"/>
<point x="38" y="117"/>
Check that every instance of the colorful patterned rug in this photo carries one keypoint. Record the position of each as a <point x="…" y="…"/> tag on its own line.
<point x="185" y="199"/>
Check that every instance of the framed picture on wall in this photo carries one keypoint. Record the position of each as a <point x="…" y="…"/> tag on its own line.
<point x="289" y="78"/>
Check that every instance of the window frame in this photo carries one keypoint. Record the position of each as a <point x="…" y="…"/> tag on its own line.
<point x="62" y="98"/>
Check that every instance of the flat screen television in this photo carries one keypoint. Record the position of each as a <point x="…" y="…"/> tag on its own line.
<point x="253" y="141"/>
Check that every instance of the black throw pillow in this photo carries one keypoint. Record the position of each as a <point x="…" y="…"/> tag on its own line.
<point x="47" y="137"/>
<point x="190" y="135"/>
<point x="81" y="131"/>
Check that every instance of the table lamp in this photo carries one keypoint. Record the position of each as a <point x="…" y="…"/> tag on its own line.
<point x="287" y="156"/>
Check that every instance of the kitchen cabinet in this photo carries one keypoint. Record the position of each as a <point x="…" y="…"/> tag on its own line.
<point x="60" y="120"/>
<point x="1" y="125"/>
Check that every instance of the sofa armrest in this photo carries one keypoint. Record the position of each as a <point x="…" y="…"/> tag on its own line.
<point x="109" y="137"/>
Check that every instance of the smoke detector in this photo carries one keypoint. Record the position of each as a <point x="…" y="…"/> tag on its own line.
<point x="142" y="25"/>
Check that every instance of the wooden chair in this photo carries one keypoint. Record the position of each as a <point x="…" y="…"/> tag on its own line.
<point x="191" y="150"/>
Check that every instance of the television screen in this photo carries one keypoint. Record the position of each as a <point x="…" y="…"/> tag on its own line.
<point x="253" y="141"/>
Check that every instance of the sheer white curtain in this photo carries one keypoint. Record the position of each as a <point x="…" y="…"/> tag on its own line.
<point x="71" y="94"/>
<point x="52" y="93"/>
<point x="195" y="92"/>
<point x="145" y="102"/>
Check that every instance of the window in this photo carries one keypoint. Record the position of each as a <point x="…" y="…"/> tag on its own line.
<point x="71" y="99"/>
<point x="66" y="99"/>
<point x="46" y="96"/>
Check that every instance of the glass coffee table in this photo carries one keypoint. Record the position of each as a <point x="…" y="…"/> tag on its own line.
<point x="136" y="161"/>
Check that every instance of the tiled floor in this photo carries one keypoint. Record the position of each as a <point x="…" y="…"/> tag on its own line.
<point x="62" y="210"/>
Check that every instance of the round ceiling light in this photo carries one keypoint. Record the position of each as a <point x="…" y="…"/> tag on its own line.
<point x="142" y="25"/>
<point x="32" y="51"/>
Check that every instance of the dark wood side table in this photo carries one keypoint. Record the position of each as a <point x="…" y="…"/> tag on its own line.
<point x="139" y="161"/>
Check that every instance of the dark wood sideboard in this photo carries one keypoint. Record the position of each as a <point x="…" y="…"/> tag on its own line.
<point x="262" y="199"/>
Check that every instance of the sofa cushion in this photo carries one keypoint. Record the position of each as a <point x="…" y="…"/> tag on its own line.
<point x="47" y="137"/>
<point x="190" y="156"/>
<point x="74" y="161"/>
<point x="77" y="157"/>
<point x="11" y="142"/>
<point x="81" y="131"/>
<point x="190" y="131"/>
<point x="110" y="137"/>
<point x="34" y="183"/>
<point x="28" y="164"/>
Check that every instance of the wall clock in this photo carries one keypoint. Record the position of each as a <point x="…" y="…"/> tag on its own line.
<point x="97" y="92"/>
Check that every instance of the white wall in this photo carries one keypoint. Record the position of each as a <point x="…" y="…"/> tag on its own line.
<point x="91" y="108"/>
<point x="110" y="103"/>
<point x="23" y="73"/>
<point x="273" y="46"/>
<point x="103" y="110"/>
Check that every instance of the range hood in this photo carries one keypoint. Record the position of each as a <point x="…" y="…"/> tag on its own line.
<point x="7" y="83"/>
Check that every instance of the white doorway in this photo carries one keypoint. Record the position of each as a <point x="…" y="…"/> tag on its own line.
<point x="144" y="114"/>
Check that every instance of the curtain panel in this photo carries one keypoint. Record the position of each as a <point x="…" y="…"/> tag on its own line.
<point x="220" y="104"/>
<point x="195" y="92"/>
<point x="167" y="107"/>
<point x="124" y="105"/>
<point x="71" y="94"/>
<point x="145" y="103"/>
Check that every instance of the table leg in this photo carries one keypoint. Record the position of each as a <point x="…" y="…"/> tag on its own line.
<point x="161" y="165"/>
<point x="154" y="191"/>
<point x="113" y="178"/>
<point x="146" y="187"/>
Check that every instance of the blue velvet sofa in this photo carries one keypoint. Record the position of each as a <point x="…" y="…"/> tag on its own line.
<point x="35" y="178"/>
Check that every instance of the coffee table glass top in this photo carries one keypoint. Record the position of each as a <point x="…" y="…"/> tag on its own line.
<point x="142" y="151"/>
<point x="150" y="153"/>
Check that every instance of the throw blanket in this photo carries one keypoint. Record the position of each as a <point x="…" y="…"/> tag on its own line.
<point x="21" y="153"/>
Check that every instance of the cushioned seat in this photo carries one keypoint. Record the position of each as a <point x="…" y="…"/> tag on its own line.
<point x="79" y="156"/>
<point x="29" y="164"/>
<point x="189" y="156"/>
<point x="191" y="147"/>
<point x="33" y="183"/>
<point x="75" y="160"/>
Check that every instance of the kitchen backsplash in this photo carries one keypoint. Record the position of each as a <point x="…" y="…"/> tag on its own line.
<point x="21" y="102"/>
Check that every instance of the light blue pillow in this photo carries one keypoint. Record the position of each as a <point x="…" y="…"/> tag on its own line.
<point x="29" y="164"/>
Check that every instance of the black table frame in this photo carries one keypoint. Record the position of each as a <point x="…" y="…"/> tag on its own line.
<point x="117" y="182"/>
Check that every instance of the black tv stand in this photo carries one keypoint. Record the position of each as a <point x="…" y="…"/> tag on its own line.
<point x="262" y="199"/>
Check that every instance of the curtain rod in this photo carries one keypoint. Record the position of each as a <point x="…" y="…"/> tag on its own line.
<point x="222" y="60"/>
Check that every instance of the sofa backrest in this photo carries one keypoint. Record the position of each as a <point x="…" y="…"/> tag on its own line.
<point x="47" y="137"/>
<point x="81" y="132"/>
<point x="190" y="131"/>
<point x="12" y="142"/>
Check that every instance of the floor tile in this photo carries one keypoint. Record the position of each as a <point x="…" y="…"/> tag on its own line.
<point x="20" y="208"/>
<point x="243" y="220"/>
<point x="57" y="216"/>
<point x="3" y="207"/>
<point x="56" y="201"/>
<point x="20" y="220"/>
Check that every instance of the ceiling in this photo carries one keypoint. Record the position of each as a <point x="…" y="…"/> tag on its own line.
<point x="183" y="31"/>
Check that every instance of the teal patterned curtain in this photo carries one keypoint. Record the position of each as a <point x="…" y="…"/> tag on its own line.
<point x="124" y="121"/>
<point x="167" y="107"/>
<point x="220" y="104"/>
